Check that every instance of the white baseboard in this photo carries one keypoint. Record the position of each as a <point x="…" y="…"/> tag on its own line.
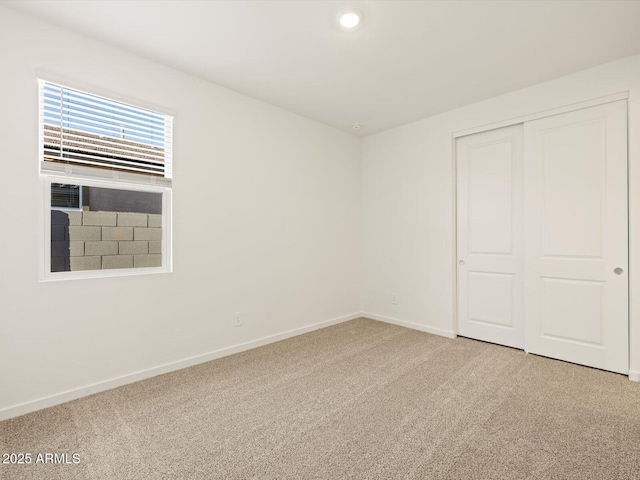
<point x="57" y="399"/>
<point x="634" y="376"/>
<point x="413" y="326"/>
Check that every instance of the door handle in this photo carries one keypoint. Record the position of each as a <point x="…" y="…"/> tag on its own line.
<point x="618" y="271"/>
<point x="461" y="263"/>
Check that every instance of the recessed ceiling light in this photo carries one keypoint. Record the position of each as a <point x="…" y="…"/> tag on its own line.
<point x="349" y="19"/>
<point x="356" y="126"/>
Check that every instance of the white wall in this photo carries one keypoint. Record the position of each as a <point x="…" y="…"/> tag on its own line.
<point x="272" y="197"/>
<point x="408" y="198"/>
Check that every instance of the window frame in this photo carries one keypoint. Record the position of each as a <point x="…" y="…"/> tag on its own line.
<point x="102" y="178"/>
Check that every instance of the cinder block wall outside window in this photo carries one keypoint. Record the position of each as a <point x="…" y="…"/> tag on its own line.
<point x="87" y="240"/>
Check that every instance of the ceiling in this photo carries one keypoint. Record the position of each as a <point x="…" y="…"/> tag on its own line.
<point x="408" y="59"/>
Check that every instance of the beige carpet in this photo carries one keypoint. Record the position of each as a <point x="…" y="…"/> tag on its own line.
<point x="360" y="400"/>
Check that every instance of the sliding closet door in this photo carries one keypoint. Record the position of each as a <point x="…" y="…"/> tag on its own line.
<point x="576" y="237"/>
<point x="490" y="253"/>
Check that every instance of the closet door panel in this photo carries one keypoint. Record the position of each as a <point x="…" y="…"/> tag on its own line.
<point x="576" y="231"/>
<point x="490" y="296"/>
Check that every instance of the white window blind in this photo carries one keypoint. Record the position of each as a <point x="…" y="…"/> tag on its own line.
<point x="80" y="130"/>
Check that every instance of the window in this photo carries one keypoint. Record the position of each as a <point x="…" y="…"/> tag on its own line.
<point x="65" y="196"/>
<point x="105" y="170"/>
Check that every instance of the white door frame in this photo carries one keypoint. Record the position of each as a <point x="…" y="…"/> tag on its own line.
<point x="514" y="121"/>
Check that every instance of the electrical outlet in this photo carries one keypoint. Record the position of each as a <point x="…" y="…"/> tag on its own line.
<point x="237" y="319"/>
<point x="394" y="299"/>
